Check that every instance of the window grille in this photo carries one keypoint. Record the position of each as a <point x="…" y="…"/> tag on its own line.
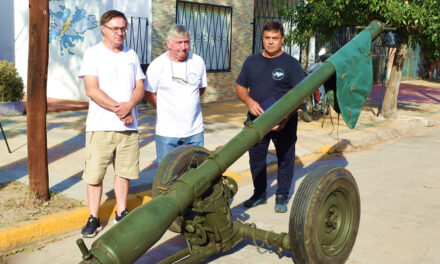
<point x="210" y="27"/>
<point x="264" y="11"/>
<point x="137" y="38"/>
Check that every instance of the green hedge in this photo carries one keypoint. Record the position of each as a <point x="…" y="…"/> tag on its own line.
<point x="11" y="84"/>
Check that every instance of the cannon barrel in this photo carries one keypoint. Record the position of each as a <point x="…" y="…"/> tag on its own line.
<point x="144" y="226"/>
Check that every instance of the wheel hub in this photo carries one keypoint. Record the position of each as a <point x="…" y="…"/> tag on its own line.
<point x="332" y="220"/>
<point x="335" y="222"/>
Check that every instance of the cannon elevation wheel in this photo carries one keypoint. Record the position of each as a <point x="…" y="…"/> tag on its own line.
<point x="174" y="165"/>
<point x="324" y="218"/>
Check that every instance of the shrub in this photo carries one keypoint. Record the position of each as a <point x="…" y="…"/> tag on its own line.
<point x="11" y="84"/>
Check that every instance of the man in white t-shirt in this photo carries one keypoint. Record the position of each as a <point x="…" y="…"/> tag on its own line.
<point x="175" y="81"/>
<point x="114" y="83"/>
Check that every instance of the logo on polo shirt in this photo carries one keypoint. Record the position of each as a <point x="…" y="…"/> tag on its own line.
<point x="278" y="74"/>
<point x="193" y="78"/>
<point x="132" y="66"/>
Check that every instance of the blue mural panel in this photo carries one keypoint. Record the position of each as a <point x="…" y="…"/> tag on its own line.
<point x="68" y="27"/>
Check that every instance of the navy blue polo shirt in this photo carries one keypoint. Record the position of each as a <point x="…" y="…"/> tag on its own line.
<point x="267" y="77"/>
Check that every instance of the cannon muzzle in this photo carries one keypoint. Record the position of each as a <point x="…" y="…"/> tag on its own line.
<point x="158" y="214"/>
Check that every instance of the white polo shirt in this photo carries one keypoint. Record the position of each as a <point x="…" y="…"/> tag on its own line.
<point x="178" y="101"/>
<point x="117" y="74"/>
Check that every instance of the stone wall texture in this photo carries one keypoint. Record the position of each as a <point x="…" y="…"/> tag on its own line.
<point x="221" y="85"/>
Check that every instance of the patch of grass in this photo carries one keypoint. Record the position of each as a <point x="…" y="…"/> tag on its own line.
<point x="18" y="205"/>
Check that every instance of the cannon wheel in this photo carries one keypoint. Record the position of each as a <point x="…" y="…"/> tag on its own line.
<point x="174" y="165"/>
<point x="324" y="217"/>
<point x="307" y="109"/>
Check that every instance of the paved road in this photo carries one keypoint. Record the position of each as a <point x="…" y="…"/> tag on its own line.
<point x="399" y="183"/>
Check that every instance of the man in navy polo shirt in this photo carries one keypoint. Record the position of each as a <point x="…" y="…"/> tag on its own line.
<point x="265" y="77"/>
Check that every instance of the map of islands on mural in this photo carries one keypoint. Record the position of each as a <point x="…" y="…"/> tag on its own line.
<point x="68" y="28"/>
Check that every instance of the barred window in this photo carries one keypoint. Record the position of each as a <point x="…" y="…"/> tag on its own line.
<point x="211" y="29"/>
<point x="137" y="38"/>
<point x="265" y="11"/>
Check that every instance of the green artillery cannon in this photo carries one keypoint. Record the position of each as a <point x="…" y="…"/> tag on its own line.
<point x="191" y="196"/>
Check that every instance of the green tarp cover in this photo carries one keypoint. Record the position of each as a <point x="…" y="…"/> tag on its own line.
<point x="354" y="76"/>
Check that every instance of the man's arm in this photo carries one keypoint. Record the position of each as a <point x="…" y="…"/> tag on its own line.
<point x="253" y="106"/>
<point x="243" y="95"/>
<point x="97" y="95"/>
<point x="123" y="109"/>
<point x="151" y="98"/>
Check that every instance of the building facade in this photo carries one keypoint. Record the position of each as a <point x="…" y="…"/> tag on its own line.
<point x="226" y="23"/>
<point x="221" y="33"/>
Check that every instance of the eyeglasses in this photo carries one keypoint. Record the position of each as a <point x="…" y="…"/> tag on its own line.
<point x="117" y="29"/>
<point x="179" y="80"/>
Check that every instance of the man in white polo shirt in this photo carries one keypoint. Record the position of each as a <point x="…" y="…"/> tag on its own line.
<point x="175" y="81"/>
<point x="114" y="83"/>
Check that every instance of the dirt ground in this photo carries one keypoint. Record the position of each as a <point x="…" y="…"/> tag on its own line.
<point x="17" y="205"/>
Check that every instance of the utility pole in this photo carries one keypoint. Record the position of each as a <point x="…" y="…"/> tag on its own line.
<point x="36" y="98"/>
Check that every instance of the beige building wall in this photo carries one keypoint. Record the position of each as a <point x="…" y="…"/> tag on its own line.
<point x="221" y="85"/>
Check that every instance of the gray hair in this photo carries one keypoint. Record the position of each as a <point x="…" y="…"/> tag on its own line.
<point x="177" y="31"/>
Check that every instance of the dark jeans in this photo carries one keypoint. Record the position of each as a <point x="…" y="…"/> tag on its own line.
<point x="284" y="142"/>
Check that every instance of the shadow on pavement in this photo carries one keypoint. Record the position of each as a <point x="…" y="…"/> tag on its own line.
<point x="18" y="169"/>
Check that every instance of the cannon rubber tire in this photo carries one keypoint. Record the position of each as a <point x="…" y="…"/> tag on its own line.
<point x="174" y="165"/>
<point x="307" y="109"/>
<point x="324" y="217"/>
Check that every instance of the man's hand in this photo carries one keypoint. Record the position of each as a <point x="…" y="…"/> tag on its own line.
<point x="122" y="109"/>
<point x="128" y="120"/>
<point x="280" y="125"/>
<point x="254" y="107"/>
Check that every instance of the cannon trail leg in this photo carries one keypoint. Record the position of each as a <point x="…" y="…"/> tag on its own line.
<point x="175" y="257"/>
<point x="193" y="258"/>
<point x="279" y="241"/>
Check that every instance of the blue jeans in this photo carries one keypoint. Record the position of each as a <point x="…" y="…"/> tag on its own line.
<point x="165" y="145"/>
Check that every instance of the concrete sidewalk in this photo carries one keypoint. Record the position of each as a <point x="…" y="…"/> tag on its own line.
<point x="418" y="108"/>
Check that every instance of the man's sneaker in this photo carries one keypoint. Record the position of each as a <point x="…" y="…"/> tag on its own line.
<point x="119" y="218"/>
<point x="91" y="228"/>
<point x="255" y="200"/>
<point x="280" y="203"/>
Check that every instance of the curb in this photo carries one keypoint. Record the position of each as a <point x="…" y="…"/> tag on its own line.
<point x="388" y="130"/>
<point x="62" y="222"/>
<point x="67" y="221"/>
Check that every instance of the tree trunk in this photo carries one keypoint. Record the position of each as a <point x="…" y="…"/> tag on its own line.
<point x="305" y="56"/>
<point x="36" y="98"/>
<point x="389" y="107"/>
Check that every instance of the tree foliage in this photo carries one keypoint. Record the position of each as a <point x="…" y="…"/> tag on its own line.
<point x="419" y="19"/>
<point x="415" y="20"/>
<point x="11" y="84"/>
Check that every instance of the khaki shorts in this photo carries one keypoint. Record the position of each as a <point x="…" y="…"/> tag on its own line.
<point x="102" y="145"/>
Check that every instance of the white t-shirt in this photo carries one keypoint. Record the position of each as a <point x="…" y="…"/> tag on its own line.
<point x="179" y="112"/>
<point x="117" y="74"/>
